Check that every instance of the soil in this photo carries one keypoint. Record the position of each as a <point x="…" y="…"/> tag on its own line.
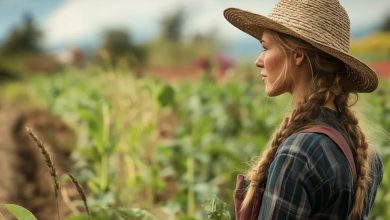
<point x="26" y="179"/>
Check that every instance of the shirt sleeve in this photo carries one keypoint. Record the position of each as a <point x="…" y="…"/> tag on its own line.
<point x="287" y="194"/>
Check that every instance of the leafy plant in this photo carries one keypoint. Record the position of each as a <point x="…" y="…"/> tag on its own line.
<point x="148" y="145"/>
<point x="19" y="212"/>
<point x="217" y="209"/>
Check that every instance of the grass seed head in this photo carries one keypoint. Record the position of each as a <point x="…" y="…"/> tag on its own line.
<point x="47" y="158"/>
<point x="81" y="191"/>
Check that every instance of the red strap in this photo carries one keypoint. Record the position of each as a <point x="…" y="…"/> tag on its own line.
<point x="339" y="140"/>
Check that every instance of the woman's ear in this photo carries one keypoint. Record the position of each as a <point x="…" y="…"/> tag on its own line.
<point x="298" y="57"/>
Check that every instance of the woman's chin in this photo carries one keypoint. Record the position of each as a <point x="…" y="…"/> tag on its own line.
<point x="269" y="92"/>
<point x="273" y="93"/>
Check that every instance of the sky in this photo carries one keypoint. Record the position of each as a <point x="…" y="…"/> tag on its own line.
<point x="68" y="23"/>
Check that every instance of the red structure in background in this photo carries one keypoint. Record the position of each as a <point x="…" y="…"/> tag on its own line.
<point x="382" y="69"/>
<point x="219" y="63"/>
<point x="224" y="64"/>
<point x="72" y="56"/>
<point x="215" y="67"/>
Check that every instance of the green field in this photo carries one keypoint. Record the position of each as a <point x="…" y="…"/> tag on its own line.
<point x="169" y="149"/>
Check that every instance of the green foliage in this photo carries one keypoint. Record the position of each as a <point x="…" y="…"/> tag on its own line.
<point x="116" y="214"/>
<point x="116" y="42"/>
<point x="77" y="217"/>
<point x="376" y="124"/>
<point x="20" y="52"/>
<point x="111" y="133"/>
<point x="136" y="214"/>
<point x="217" y="209"/>
<point x="386" y="24"/>
<point x="19" y="212"/>
<point x="168" y="148"/>
<point x="24" y="38"/>
<point x="119" y="50"/>
<point x="165" y="53"/>
<point x="172" y="26"/>
<point x="375" y="47"/>
<point x="121" y="214"/>
<point x="123" y="155"/>
<point x="166" y="96"/>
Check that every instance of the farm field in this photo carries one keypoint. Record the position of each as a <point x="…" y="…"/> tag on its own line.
<point x="143" y="148"/>
<point x="134" y="111"/>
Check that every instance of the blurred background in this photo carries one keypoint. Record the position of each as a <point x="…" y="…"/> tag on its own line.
<point x="154" y="106"/>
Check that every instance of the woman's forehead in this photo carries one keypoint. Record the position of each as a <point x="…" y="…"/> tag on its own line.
<point x="267" y="36"/>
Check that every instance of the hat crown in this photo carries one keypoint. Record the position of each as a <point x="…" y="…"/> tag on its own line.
<point x="323" y="21"/>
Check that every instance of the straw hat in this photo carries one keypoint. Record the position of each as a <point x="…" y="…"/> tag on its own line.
<point x="322" y="23"/>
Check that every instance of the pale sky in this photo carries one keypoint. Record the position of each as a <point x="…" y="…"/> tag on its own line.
<point x="68" y="22"/>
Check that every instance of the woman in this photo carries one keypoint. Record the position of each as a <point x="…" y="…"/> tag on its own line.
<point x="307" y="174"/>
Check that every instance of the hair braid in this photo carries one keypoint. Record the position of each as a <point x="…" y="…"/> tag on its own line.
<point x="305" y="114"/>
<point x="363" y="154"/>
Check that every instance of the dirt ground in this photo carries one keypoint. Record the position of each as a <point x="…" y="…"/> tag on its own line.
<point x="25" y="178"/>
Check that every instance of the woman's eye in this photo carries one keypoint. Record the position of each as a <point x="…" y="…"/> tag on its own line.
<point x="264" y="49"/>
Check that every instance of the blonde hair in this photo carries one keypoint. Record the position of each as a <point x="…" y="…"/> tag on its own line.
<point x="327" y="83"/>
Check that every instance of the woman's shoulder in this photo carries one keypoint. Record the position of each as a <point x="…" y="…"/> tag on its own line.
<point x="308" y="143"/>
<point x="321" y="154"/>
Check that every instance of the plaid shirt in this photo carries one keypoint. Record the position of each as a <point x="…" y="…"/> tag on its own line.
<point x="310" y="178"/>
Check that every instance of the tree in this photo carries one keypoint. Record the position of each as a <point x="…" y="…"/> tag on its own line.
<point x="386" y="24"/>
<point x="172" y="26"/>
<point x="116" y="42"/>
<point x="23" y="38"/>
<point x="118" y="46"/>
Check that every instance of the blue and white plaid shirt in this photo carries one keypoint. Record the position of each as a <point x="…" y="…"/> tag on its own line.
<point x="310" y="178"/>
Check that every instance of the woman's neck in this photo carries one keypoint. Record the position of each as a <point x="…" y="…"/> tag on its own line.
<point x="298" y="98"/>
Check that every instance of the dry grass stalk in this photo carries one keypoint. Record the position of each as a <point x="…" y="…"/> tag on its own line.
<point x="49" y="164"/>
<point x="48" y="160"/>
<point x="81" y="192"/>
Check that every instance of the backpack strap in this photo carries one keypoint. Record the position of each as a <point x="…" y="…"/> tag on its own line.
<point x="339" y="140"/>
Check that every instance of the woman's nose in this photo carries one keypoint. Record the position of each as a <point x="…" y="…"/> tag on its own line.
<point x="259" y="61"/>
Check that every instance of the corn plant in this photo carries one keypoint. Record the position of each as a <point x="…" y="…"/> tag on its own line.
<point x="168" y="148"/>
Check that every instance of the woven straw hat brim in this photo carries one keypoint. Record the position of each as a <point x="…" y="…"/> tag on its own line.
<point x="361" y="78"/>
